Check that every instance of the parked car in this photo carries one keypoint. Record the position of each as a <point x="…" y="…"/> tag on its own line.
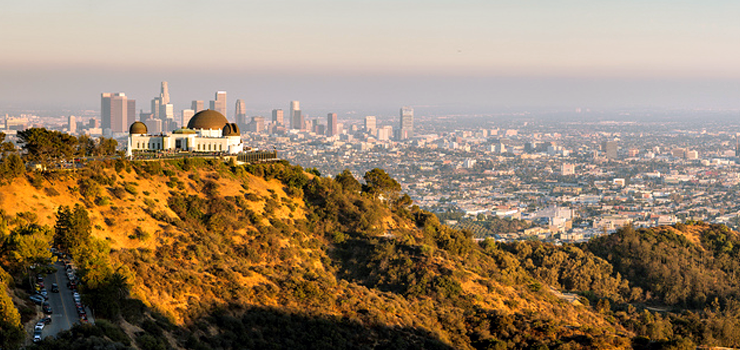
<point x="39" y="326"/>
<point x="44" y="293"/>
<point x="47" y="308"/>
<point x="36" y="298"/>
<point x="37" y="336"/>
<point x="46" y="320"/>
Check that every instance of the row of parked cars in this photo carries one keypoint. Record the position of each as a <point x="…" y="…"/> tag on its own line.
<point x="72" y="284"/>
<point x="41" y="297"/>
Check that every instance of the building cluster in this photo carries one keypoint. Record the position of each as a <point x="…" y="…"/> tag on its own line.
<point x="572" y="184"/>
<point x="572" y="181"/>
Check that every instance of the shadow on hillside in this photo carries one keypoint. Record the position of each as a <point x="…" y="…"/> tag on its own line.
<point x="273" y="328"/>
<point x="252" y="327"/>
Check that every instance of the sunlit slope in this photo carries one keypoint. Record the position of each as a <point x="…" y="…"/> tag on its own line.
<point x="202" y="239"/>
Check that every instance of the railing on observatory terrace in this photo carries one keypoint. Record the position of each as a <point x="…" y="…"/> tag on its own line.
<point x="257" y="156"/>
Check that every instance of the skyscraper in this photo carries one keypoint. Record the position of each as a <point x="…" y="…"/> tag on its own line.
<point x="219" y="105"/>
<point x="164" y="93"/>
<point x="241" y="114"/>
<point x="72" y="125"/>
<point x="130" y="113"/>
<point x="257" y="124"/>
<point x="114" y="111"/>
<point x="331" y="124"/>
<point x="610" y="149"/>
<point x="159" y="104"/>
<point x="197" y="105"/>
<point x="406" y="129"/>
<point x="186" y="115"/>
<point x="370" y="124"/>
<point x="296" y="118"/>
<point x="277" y="117"/>
<point x="156" y="102"/>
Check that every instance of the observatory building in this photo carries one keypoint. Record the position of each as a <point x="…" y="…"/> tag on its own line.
<point x="207" y="131"/>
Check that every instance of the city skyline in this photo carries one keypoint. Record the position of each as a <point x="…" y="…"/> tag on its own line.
<point x="478" y="55"/>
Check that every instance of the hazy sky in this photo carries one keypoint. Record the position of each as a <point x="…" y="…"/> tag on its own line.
<point x="366" y="52"/>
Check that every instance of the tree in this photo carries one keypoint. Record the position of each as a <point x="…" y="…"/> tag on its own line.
<point x="5" y="146"/>
<point x="11" y="329"/>
<point x="11" y="167"/>
<point x="85" y="146"/>
<point x="348" y="181"/>
<point x="30" y="246"/>
<point x="378" y="183"/>
<point x="106" y="147"/>
<point x="45" y="146"/>
<point x="73" y="229"/>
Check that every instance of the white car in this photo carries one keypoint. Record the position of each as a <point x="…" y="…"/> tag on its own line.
<point x="39" y="326"/>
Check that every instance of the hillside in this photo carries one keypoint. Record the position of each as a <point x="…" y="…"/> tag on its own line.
<point x="195" y="254"/>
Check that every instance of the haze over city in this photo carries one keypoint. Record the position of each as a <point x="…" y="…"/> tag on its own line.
<point x="466" y="57"/>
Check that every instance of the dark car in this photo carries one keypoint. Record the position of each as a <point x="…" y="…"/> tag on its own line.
<point x="45" y="320"/>
<point x="54" y="288"/>
<point x="46" y="307"/>
<point x="36" y="298"/>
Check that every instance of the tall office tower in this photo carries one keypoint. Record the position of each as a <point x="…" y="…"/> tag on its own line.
<point x="186" y="115"/>
<point x="407" y="123"/>
<point x="296" y="118"/>
<point x="331" y="124"/>
<point x="370" y="124"/>
<point x="166" y="112"/>
<point x="257" y="124"/>
<point x="164" y="93"/>
<point x="610" y="148"/>
<point x="156" y="102"/>
<point x="277" y="117"/>
<point x="197" y="105"/>
<point x="219" y="105"/>
<point x="114" y="111"/>
<point x="241" y="114"/>
<point x="72" y="125"/>
<point x="130" y="113"/>
<point x="384" y="133"/>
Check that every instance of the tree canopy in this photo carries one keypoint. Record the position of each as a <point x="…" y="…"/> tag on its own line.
<point x="379" y="183"/>
<point x="45" y="146"/>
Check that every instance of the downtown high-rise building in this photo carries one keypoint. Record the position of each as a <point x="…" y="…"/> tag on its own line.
<point x="197" y="105"/>
<point x="256" y="125"/>
<point x="219" y="105"/>
<point x="370" y="124"/>
<point x="277" y="117"/>
<point x="185" y="117"/>
<point x="240" y="114"/>
<point x="331" y="124"/>
<point x="156" y="102"/>
<point x="296" y="118"/>
<point x="406" y="126"/>
<point x="71" y="125"/>
<point x="164" y="93"/>
<point x="117" y="112"/>
<point x="161" y="107"/>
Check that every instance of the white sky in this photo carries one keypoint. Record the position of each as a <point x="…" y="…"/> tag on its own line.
<point x="44" y="42"/>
